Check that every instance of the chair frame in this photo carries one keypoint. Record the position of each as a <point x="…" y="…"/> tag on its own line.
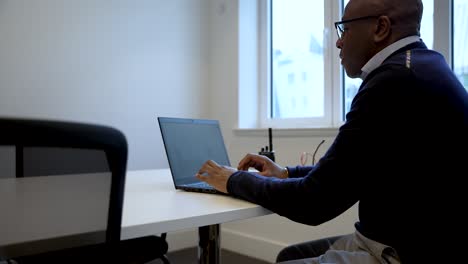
<point x="47" y="133"/>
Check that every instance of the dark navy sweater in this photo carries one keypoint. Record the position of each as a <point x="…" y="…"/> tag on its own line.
<point x="402" y="154"/>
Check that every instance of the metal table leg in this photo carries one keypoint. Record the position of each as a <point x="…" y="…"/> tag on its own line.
<point x="209" y="242"/>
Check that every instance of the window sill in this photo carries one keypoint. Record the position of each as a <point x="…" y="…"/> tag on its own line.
<point x="287" y="132"/>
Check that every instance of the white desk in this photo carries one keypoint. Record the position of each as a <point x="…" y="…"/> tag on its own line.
<point x="153" y="206"/>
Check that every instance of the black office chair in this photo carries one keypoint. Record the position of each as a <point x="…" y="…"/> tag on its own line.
<point x="44" y="178"/>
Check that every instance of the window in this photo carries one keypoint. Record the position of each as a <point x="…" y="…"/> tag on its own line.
<point x="297" y="77"/>
<point x="297" y="49"/>
<point x="460" y="40"/>
<point x="305" y="85"/>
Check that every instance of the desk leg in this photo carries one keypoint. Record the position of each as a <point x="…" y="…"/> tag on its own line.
<point x="209" y="244"/>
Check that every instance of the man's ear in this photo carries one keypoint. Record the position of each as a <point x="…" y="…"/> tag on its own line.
<point x="383" y="29"/>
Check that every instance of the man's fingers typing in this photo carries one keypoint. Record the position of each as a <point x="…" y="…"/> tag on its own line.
<point x="202" y="177"/>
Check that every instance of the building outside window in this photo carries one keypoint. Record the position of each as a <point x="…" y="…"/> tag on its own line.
<point x="297" y="51"/>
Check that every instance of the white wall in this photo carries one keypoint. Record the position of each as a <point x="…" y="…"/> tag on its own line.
<point x="124" y="62"/>
<point x="114" y="62"/>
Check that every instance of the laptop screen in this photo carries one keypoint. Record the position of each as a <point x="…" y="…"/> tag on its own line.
<point x="189" y="143"/>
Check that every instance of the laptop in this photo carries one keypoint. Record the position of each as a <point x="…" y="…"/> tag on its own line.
<point x="189" y="143"/>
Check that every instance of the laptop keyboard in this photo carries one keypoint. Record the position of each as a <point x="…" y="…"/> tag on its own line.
<point x="203" y="185"/>
<point x="200" y="187"/>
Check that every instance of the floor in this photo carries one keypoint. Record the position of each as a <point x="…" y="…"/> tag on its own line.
<point x="189" y="256"/>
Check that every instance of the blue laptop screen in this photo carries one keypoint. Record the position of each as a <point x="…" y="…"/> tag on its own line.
<point x="189" y="143"/>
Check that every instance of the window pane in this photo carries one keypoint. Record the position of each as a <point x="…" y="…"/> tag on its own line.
<point x="351" y="86"/>
<point x="460" y="41"/>
<point x="427" y="23"/>
<point x="297" y="62"/>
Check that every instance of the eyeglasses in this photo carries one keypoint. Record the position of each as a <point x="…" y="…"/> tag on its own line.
<point x="340" y="30"/>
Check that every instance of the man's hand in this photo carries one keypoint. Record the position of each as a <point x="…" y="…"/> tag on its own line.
<point x="215" y="175"/>
<point x="264" y="165"/>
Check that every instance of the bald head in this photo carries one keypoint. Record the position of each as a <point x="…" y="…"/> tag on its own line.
<point x="405" y="15"/>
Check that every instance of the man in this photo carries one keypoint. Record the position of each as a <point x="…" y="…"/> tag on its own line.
<point x="402" y="153"/>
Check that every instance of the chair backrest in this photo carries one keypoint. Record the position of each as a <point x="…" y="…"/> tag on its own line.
<point x="50" y="198"/>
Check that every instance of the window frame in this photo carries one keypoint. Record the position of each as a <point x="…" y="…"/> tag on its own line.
<point x="331" y="83"/>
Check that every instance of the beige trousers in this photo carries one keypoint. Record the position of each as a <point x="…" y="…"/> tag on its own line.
<point x="354" y="248"/>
